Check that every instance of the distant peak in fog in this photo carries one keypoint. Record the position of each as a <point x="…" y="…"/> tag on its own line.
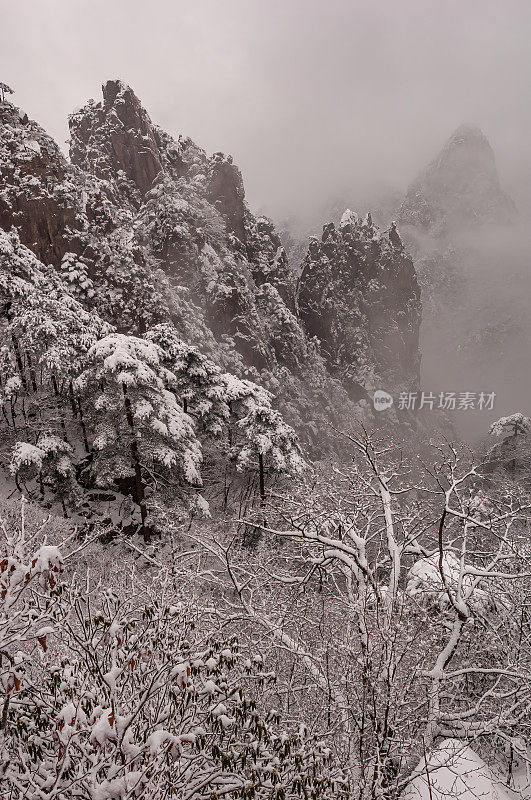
<point x="460" y="188"/>
<point x="468" y="148"/>
<point x="468" y="133"/>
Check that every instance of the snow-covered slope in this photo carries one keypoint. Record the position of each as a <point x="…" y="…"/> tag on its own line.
<point x="456" y="772"/>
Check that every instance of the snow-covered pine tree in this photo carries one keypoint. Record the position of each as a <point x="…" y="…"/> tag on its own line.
<point x="513" y="425"/>
<point x="46" y="332"/>
<point x="77" y="280"/>
<point x="130" y="291"/>
<point x="194" y="379"/>
<point x="260" y="434"/>
<point x="214" y="397"/>
<point x="514" y="450"/>
<point x="142" y="434"/>
<point x="16" y="273"/>
<point x="51" y="334"/>
<point x="58" y="333"/>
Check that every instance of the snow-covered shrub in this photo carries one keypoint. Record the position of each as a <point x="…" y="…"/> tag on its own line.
<point x="346" y="590"/>
<point x="128" y="700"/>
<point x="31" y="607"/>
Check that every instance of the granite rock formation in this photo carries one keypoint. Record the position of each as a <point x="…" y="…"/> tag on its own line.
<point x="146" y="228"/>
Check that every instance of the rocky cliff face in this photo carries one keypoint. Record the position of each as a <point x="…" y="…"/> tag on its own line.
<point x="146" y="229"/>
<point x="115" y="140"/>
<point x="459" y="189"/>
<point x="358" y="294"/>
<point x="37" y="195"/>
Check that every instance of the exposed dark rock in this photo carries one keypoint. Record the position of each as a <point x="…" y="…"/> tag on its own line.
<point x="36" y="195"/>
<point x="226" y="193"/>
<point x="358" y="294"/>
<point x="394" y="237"/>
<point x="115" y="137"/>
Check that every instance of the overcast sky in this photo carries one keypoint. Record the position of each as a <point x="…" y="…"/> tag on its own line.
<point x="312" y="97"/>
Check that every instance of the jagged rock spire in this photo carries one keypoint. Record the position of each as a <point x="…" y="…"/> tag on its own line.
<point x="358" y="294"/>
<point x="115" y="136"/>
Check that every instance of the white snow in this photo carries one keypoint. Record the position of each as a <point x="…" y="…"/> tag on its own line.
<point x="349" y="218"/>
<point x="424" y="580"/>
<point x="102" y="730"/>
<point x="456" y="772"/>
<point x="32" y="144"/>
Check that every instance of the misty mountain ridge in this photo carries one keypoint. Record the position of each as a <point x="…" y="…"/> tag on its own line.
<point x="265" y="401"/>
<point x="470" y="250"/>
<point x="458" y="190"/>
<point x="165" y="233"/>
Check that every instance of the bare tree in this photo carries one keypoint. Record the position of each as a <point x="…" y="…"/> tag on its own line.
<point x="392" y="604"/>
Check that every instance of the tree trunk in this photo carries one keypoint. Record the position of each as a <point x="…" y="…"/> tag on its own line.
<point x="58" y="406"/>
<point x="139" y="484"/>
<point x="33" y="377"/>
<point x="261" y="473"/>
<point x="6" y="417"/>
<point x="20" y="365"/>
<point x="82" y="425"/>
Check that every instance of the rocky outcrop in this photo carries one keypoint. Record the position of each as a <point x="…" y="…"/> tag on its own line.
<point x="358" y="294"/>
<point x="37" y="196"/>
<point x="226" y="193"/>
<point x="188" y="214"/>
<point x="115" y="139"/>
<point x="459" y="189"/>
<point x="269" y="259"/>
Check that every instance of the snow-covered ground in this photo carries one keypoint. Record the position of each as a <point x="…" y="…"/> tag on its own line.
<point x="456" y="772"/>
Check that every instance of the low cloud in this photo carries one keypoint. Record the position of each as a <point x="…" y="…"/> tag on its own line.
<point x="313" y="99"/>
